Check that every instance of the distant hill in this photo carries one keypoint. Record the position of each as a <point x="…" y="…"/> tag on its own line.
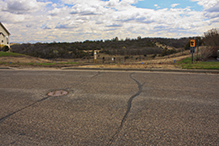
<point x="139" y="46"/>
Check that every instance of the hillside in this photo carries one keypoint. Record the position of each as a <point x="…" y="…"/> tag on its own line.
<point x="139" y="46"/>
<point x="25" y="61"/>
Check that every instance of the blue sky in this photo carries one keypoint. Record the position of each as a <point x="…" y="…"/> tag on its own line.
<point x="161" y="4"/>
<point x="79" y="20"/>
<point x="150" y="4"/>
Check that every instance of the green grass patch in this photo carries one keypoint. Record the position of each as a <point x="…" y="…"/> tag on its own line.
<point x="2" y="54"/>
<point x="187" y="64"/>
<point x="185" y="61"/>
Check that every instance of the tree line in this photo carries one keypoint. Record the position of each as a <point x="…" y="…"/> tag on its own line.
<point x="138" y="46"/>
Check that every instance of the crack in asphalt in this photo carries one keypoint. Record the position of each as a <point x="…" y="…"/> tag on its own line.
<point x="96" y="75"/>
<point x="113" y="138"/>
<point x="85" y="80"/>
<point x="11" y="114"/>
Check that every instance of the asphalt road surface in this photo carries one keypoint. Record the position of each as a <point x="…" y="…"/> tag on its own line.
<point x="108" y="108"/>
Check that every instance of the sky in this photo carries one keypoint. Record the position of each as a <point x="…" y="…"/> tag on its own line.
<point x="31" y="21"/>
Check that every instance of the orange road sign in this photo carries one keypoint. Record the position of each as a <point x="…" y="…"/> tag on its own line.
<point x="192" y="43"/>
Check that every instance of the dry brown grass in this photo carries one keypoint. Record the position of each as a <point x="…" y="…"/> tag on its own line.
<point x="165" y="62"/>
<point x="159" y="62"/>
<point x="23" y="59"/>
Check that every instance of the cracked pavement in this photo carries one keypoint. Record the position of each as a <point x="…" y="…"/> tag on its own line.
<point x="108" y="108"/>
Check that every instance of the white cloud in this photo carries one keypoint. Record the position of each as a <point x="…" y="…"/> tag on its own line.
<point x="174" y="5"/>
<point x="86" y="9"/>
<point x="54" y="5"/>
<point x="214" y="8"/>
<point x="12" y="18"/>
<point x="55" y="12"/>
<point x="22" y="6"/>
<point x="156" y="5"/>
<point x="211" y="11"/>
<point x="206" y="3"/>
<point x="94" y="19"/>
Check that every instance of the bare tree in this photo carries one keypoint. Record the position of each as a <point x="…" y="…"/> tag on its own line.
<point x="212" y="37"/>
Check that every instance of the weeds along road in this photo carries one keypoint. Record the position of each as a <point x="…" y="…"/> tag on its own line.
<point x="108" y="108"/>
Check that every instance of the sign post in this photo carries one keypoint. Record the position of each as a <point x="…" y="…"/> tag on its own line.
<point x="95" y="56"/>
<point x="192" y="47"/>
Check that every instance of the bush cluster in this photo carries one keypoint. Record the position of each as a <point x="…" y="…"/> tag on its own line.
<point x="4" y="48"/>
<point x="76" y="49"/>
<point x="168" y="52"/>
<point x="138" y="46"/>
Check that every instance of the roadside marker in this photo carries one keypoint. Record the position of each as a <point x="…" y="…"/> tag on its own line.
<point x="95" y="55"/>
<point x="192" y="47"/>
<point x="192" y="43"/>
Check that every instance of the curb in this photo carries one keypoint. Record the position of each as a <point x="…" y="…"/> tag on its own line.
<point x="5" y="68"/>
<point x="151" y="70"/>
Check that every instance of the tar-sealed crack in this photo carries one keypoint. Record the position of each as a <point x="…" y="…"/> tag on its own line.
<point x="113" y="138"/>
<point x="7" y="116"/>
<point x="11" y="114"/>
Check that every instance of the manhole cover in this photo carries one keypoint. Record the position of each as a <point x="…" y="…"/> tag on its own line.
<point x="58" y="93"/>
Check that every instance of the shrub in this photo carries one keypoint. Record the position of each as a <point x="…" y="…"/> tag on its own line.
<point x="167" y="52"/>
<point x="126" y="57"/>
<point x="214" y="51"/>
<point x="212" y="37"/>
<point x="187" y="46"/>
<point x="205" y="53"/>
<point x="154" y="55"/>
<point x="5" y="48"/>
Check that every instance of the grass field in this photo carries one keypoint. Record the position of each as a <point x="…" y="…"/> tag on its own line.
<point x="2" y="54"/>
<point x="187" y="64"/>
